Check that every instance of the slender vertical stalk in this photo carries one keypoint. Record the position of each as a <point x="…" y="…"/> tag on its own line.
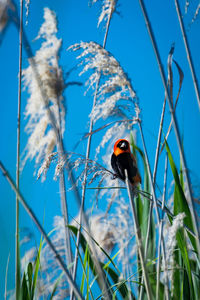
<point x="40" y="228"/>
<point x="159" y="242"/>
<point x="6" y="277"/>
<point x="62" y="185"/>
<point x="86" y="164"/>
<point x="155" y="171"/>
<point x="17" y="246"/>
<point x="138" y="239"/>
<point x="154" y="179"/>
<point x="152" y="188"/>
<point x="175" y="124"/>
<point x="188" y="52"/>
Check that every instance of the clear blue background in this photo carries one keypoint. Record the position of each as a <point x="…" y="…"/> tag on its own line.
<point x="128" y="41"/>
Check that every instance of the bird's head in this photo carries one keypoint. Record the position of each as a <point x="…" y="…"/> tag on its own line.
<point x="121" y="146"/>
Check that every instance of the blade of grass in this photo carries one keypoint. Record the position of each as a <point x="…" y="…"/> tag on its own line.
<point x="37" y="265"/>
<point x="159" y="243"/>
<point x="181" y="76"/>
<point x="6" y="277"/>
<point x="84" y="275"/>
<point x="181" y="204"/>
<point x="56" y="285"/>
<point x="25" y="293"/>
<point x="30" y="278"/>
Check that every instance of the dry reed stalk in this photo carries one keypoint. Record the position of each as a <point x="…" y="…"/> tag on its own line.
<point x="17" y="243"/>
<point x="138" y="239"/>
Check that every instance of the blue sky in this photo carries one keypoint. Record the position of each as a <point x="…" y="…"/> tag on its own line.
<point x="129" y="42"/>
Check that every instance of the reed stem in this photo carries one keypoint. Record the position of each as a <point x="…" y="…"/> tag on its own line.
<point x="138" y="239"/>
<point x="17" y="243"/>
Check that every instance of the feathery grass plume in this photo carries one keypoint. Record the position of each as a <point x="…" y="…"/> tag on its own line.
<point x="42" y="138"/>
<point x="27" y="6"/>
<point x="187" y="3"/>
<point x="116" y="96"/>
<point x="191" y="12"/>
<point x="196" y="14"/>
<point x="170" y="239"/>
<point x="76" y="162"/>
<point x="108" y="7"/>
<point x="115" y="93"/>
<point x="102" y="230"/>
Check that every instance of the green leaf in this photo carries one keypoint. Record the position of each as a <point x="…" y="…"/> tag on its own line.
<point x="37" y="264"/>
<point x="24" y="289"/>
<point x="56" y="285"/>
<point x="180" y="205"/>
<point x="85" y="267"/>
<point x="30" y="276"/>
<point x="180" y="202"/>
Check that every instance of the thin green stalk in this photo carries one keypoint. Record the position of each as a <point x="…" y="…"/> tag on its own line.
<point x="159" y="243"/>
<point x="40" y="228"/>
<point x="188" y="52"/>
<point x="152" y="188"/>
<point x="17" y="244"/>
<point x="176" y="128"/>
<point x="6" y="277"/>
<point x="60" y="147"/>
<point x="138" y="239"/>
<point x="154" y="179"/>
<point x="86" y="164"/>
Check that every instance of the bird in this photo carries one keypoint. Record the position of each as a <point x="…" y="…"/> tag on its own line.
<point x="122" y="159"/>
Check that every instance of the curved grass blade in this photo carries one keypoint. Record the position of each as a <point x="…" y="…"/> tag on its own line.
<point x="56" y="285"/>
<point x="180" y="204"/>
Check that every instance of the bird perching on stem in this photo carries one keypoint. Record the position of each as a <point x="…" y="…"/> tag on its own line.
<point x="122" y="159"/>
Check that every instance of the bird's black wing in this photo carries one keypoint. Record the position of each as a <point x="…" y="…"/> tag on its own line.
<point x="117" y="167"/>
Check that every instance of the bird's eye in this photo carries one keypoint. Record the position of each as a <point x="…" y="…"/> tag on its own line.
<point x="123" y="145"/>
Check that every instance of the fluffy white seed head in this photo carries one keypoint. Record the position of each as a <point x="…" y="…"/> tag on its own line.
<point x="107" y="9"/>
<point x="115" y="92"/>
<point x="44" y="82"/>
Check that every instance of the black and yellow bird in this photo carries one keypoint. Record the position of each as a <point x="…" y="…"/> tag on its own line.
<point x="122" y="159"/>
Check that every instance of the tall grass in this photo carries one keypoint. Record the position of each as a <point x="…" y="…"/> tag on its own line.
<point x="142" y="245"/>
